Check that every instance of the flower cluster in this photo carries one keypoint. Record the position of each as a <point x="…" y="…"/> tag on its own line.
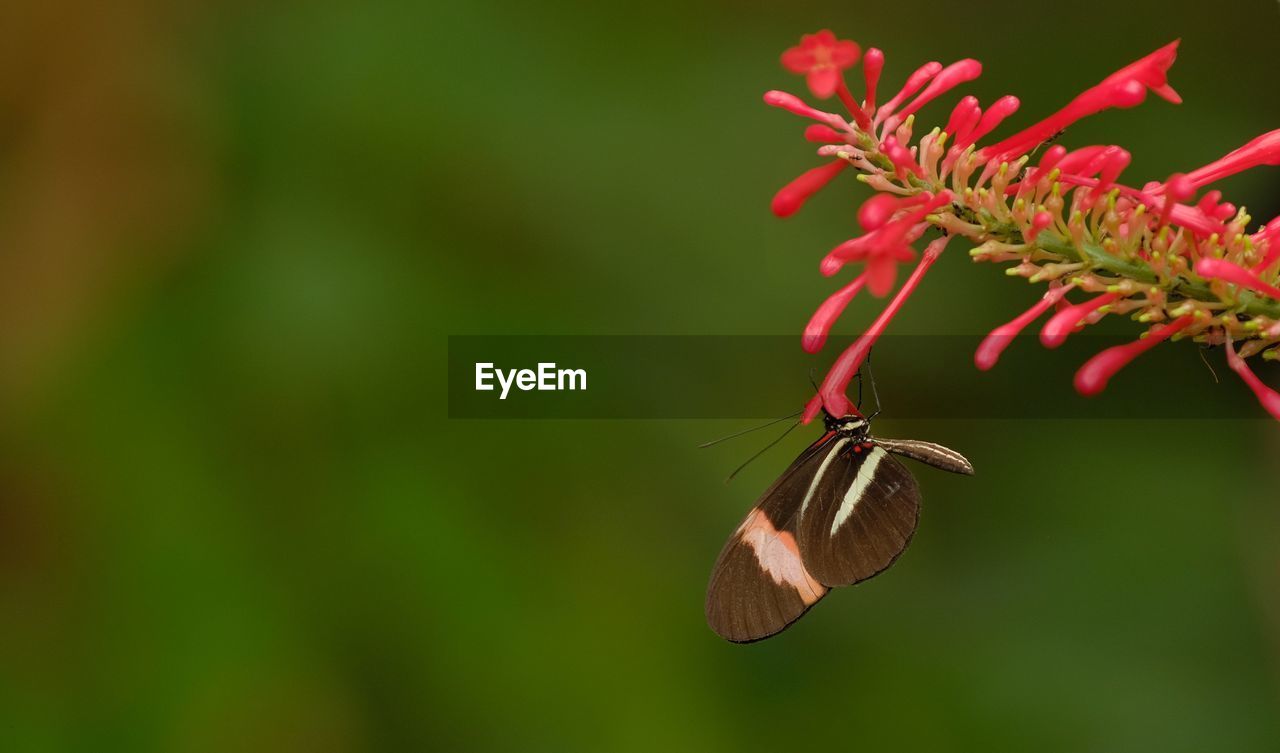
<point x="1172" y="255"/>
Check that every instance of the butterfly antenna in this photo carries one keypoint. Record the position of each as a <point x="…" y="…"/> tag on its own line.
<point x="1208" y="365"/>
<point x="748" y="431"/>
<point x="763" y="450"/>
<point x="874" y="392"/>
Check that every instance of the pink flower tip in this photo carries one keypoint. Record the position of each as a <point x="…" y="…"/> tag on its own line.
<point x="1152" y="72"/>
<point x="994" y="344"/>
<point x="1093" y="376"/>
<point x="1179" y="187"/>
<point x="820" y="134"/>
<point x="872" y="66"/>
<point x="1040" y="222"/>
<point x="815" y="333"/>
<point x="873" y="62"/>
<point x="1063" y="323"/>
<point x="792" y="196"/>
<point x="1268" y="397"/>
<point x="1263" y="150"/>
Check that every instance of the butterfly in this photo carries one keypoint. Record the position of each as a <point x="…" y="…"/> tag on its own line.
<point x="843" y="512"/>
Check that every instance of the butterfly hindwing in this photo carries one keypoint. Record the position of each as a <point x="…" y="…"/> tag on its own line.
<point x="861" y="515"/>
<point x="759" y="584"/>
<point x="943" y="458"/>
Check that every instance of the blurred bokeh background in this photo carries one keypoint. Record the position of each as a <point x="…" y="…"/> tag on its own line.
<point x="234" y="514"/>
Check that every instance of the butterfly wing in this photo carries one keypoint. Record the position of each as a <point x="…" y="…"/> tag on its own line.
<point x="861" y="516"/>
<point x="759" y="584"/>
<point x="943" y="458"/>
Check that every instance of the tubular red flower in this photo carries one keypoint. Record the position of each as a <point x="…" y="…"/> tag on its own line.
<point x="892" y="242"/>
<point x="872" y="66"/>
<point x="876" y="211"/>
<point x="796" y="106"/>
<point x="914" y="82"/>
<point x="815" y="333"/>
<point x="832" y="392"/>
<point x="884" y="247"/>
<point x="1211" y="205"/>
<point x="901" y="158"/>
<point x="1221" y="269"/>
<point x="793" y="195"/>
<point x="1177" y="188"/>
<point x="1063" y="323"/>
<point x="1126" y="87"/>
<point x="1269" y="233"/>
<point x="821" y="58"/>
<point x="820" y="134"/>
<point x="947" y="79"/>
<point x="1113" y="162"/>
<point x="1195" y="220"/>
<point x="993" y="117"/>
<point x="965" y="112"/>
<point x="1268" y="238"/>
<point x="1039" y="223"/>
<point x="1077" y="161"/>
<point x="989" y="350"/>
<point x="1268" y="397"/>
<point x="1052" y="157"/>
<point x="859" y="115"/>
<point x="1093" y="376"/>
<point x="1264" y="150"/>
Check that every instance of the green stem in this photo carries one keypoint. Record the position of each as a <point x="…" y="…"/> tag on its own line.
<point x="1095" y="256"/>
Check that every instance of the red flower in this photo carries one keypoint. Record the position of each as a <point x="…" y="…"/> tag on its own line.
<point x="1125" y="88"/>
<point x="821" y="57"/>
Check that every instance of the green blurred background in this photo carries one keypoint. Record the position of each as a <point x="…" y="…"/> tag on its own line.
<point x="234" y="515"/>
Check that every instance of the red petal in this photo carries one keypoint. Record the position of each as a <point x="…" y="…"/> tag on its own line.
<point x="881" y="273"/>
<point x="797" y="60"/>
<point x="823" y="81"/>
<point x="845" y="54"/>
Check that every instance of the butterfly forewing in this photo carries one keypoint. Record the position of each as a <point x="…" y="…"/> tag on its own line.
<point x="759" y="584"/>
<point x="861" y="516"/>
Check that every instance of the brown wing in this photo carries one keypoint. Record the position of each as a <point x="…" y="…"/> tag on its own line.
<point x="932" y="454"/>
<point x="861" y="516"/>
<point x="759" y="584"/>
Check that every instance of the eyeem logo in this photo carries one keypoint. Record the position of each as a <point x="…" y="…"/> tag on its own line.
<point x="547" y="378"/>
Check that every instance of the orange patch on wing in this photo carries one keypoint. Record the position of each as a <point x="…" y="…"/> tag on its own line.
<point x="779" y="556"/>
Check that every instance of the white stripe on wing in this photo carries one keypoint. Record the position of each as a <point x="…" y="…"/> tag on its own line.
<point x="858" y="488"/>
<point x="822" y="469"/>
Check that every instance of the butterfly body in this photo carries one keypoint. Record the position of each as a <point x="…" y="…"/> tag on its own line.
<point x="840" y="514"/>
